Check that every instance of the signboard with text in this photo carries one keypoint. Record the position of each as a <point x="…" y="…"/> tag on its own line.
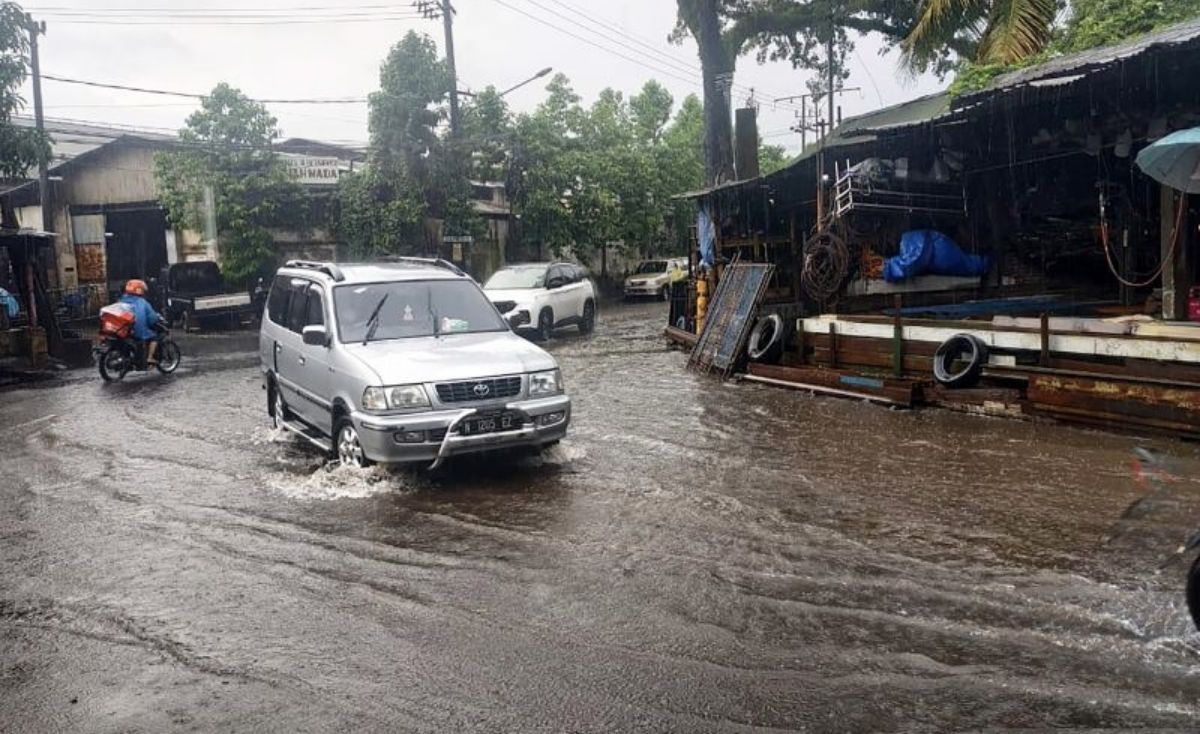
<point x="314" y="170"/>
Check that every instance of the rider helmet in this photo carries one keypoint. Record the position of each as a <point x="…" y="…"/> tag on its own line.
<point x="136" y="287"/>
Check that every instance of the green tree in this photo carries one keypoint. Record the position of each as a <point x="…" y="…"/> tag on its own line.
<point x="988" y="31"/>
<point x="226" y="146"/>
<point x="21" y="148"/>
<point x="414" y="172"/>
<point x="1102" y="22"/>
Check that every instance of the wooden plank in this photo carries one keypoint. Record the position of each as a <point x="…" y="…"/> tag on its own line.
<point x="900" y="391"/>
<point x="913" y="365"/>
<point x="1080" y="344"/>
<point x="679" y="336"/>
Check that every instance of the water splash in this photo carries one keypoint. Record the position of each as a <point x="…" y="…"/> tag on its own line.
<point x="337" y="482"/>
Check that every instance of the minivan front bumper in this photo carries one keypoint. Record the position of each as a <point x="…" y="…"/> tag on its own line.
<point x="385" y="438"/>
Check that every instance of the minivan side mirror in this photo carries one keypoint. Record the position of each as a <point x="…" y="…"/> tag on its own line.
<point x="316" y="336"/>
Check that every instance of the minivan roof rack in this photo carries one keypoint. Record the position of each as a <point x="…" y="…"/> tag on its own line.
<point x="436" y="262"/>
<point x="333" y="271"/>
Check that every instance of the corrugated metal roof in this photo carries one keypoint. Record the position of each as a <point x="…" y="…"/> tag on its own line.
<point x="1073" y="64"/>
<point x="855" y="131"/>
<point x="70" y="139"/>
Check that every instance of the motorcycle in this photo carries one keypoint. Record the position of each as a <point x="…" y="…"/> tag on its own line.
<point x="118" y="353"/>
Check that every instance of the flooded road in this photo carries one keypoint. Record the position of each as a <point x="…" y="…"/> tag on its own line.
<point x="695" y="557"/>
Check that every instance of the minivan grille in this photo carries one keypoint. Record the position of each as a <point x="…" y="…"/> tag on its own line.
<point x="479" y="390"/>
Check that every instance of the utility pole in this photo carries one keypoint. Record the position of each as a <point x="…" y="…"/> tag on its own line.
<point x="35" y="29"/>
<point x="431" y="9"/>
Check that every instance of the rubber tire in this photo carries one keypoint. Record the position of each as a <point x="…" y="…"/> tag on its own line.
<point x="951" y="348"/>
<point x="344" y="424"/>
<point x="276" y="406"/>
<point x="769" y="352"/>
<point x="1193" y="592"/>
<point x="588" y="324"/>
<point x="104" y="370"/>
<point x="163" y="348"/>
<point x="545" y="326"/>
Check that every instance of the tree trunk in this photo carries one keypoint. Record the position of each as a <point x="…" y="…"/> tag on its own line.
<point x="716" y="62"/>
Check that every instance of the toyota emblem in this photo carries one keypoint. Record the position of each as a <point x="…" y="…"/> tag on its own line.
<point x="482" y="389"/>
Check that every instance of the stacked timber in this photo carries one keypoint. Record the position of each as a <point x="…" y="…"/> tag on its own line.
<point x="1143" y="376"/>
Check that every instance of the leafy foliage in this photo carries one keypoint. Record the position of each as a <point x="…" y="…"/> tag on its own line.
<point x="21" y="148"/>
<point x="981" y="31"/>
<point x="1092" y="23"/>
<point x="227" y="145"/>
<point x="414" y="170"/>
<point x="1102" y="22"/>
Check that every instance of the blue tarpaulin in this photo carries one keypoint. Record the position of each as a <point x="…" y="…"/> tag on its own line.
<point x="9" y="303"/>
<point x="707" y="237"/>
<point x="927" y="251"/>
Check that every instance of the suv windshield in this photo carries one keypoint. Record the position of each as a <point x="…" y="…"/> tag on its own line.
<point x="652" y="266"/>
<point x="408" y="309"/>
<point x="533" y="276"/>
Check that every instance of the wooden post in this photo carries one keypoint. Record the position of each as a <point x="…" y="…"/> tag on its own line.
<point x="802" y="341"/>
<point x="1176" y="273"/>
<point x="833" y="346"/>
<point x="898" y="338"/>
<point x="1045" y="356"/>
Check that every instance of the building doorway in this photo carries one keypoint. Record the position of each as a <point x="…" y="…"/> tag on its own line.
<point x="137" y="245"/>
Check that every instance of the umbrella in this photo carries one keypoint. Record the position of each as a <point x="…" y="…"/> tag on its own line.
<point x="1174" y="160"/>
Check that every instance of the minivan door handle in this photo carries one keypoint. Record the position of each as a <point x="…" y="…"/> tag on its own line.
<point x="301" y="360"/>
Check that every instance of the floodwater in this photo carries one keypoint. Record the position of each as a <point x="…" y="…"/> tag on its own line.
<point x="695" y="557"/>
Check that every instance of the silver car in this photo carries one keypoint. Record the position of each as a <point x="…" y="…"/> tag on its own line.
<point x="402" y="362"/>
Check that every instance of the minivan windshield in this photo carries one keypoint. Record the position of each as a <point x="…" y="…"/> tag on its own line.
<point x="407" y="309"/>
<point x="529" y="276"/>
<point x="652" y="266"/>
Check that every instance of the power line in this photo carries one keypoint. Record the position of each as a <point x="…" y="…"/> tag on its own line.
<point x="588" y="41"/>
<point x="640" y="41"/>
<point x="192" y="95"/>
<point x="283" y="13"/>
<point x="108" y="20"/>
<point x="671" y="62"/>
<point x="261" y="8"/>
<point x="667" y="67"/>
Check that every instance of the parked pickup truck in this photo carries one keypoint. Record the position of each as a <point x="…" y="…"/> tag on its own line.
<point x="195" y="294"/>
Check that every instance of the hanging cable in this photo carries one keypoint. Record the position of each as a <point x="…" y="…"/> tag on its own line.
<point x="1181" y="209"/>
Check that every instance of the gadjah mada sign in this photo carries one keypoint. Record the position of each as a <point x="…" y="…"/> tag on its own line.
<point x="314" y="170"/>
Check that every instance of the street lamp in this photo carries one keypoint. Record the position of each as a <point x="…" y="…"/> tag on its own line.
<point x="533" y="78"/>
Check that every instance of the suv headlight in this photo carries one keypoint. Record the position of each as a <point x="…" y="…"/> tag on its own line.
<point x="545" y="383"/>
<point x="398" y="397"/>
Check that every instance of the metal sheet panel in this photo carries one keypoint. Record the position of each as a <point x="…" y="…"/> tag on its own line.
<point x="730" y="317"/>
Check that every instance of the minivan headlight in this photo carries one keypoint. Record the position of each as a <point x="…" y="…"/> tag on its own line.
<point x="545" y="383"/>
<point x="398" y="397"/>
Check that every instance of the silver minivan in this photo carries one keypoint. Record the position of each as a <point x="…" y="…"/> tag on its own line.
<point x="401" y="362"/>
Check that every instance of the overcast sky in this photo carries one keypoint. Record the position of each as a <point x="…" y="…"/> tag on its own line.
<point x="500" y="42"/>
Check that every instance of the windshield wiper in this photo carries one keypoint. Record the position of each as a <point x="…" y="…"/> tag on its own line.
<point x="373" y="321"/>
<point x="437" y="329"/>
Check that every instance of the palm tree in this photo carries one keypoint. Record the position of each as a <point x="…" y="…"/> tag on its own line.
<point x="984" y="31"/>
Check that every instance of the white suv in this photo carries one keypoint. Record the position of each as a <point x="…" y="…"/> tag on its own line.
<point x="540" y="297"/>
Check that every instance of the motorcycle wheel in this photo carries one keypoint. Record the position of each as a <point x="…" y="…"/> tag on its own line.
<point x="114" y="364"/>
<point x="169" y="357"/>
<point x="1193" y="592"/>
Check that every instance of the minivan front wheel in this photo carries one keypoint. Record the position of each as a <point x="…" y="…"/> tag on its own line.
<point x="347" y="446"/>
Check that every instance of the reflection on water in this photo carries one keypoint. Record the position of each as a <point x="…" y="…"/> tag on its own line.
<point x="696" y="556"/>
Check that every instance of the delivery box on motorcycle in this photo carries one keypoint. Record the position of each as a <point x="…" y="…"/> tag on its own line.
<point x="117" y="320"/>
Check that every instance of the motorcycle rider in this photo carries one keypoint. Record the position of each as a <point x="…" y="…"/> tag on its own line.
<point x="145" y="318"/>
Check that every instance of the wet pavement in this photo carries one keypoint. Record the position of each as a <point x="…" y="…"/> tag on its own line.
<point x="695" y="557"/>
